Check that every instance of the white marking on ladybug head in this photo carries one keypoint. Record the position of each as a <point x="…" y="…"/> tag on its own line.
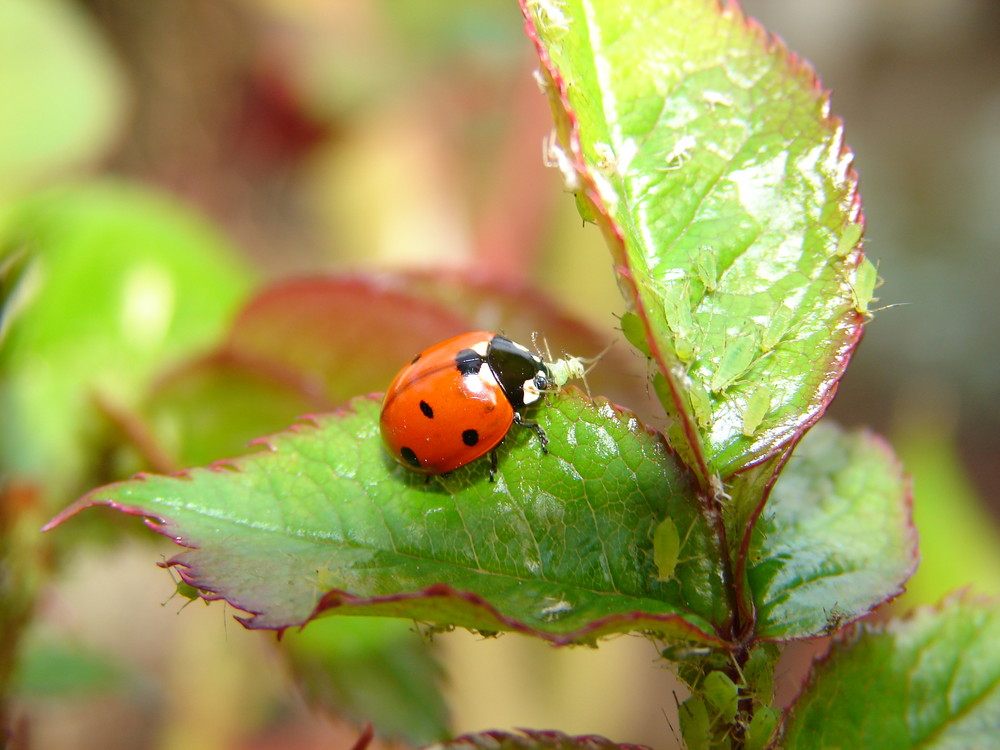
<point x="530" y="392"/>
<point x="481" y="348"/>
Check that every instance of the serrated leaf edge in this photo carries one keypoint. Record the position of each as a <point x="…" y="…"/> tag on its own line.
<point x="804" y="72"/>
<point x="857" y="629"/>
<point x="335" y="597"/>
<point x="596" y="628"/>
<point x="912" y="538"/>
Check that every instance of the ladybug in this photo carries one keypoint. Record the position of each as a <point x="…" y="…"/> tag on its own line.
<point x="455" y="401"/>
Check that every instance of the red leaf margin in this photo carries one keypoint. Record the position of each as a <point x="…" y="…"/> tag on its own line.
<point x="745" y="600"/>
<point x="666" y="625"/>
<point x="797" y="68"/>
<point x="851" y="632"/>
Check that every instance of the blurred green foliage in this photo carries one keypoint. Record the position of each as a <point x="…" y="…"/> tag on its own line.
<point x="288" y="136"/>
<point x="62" y="93"/>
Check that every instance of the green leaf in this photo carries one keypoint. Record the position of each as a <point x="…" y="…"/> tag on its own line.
<point x="61" y="94"/>
<point x="959" y="539"/>
<point x="51" y="669"/>
<point x="836" y="539"/>
<point x="934" y="677"/>
<point x="724" y="186"/>
<point x="560" y="546"/>
<point x="371" y="670"/>
<point x="116" y="282"/>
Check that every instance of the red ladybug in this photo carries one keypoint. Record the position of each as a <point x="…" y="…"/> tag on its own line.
<point x="455" y="401"/>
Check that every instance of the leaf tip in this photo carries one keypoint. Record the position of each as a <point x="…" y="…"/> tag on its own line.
<point x="102" y="496"/>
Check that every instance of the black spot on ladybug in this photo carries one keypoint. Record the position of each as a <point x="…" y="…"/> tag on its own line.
<point x="410" y="457"/>
<point x="415" y="360"/>
<point x="470" y="437"/>
<point x="468" y="362"/>
<point x="427" y="410"/>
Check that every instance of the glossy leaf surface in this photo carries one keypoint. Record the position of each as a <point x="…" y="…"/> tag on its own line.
<point x="560" y="546"/>
<point x="931" y="681"/>
<point x="707" y="154"/>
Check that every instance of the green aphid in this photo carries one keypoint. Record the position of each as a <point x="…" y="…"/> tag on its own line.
<point x="635" y="333"/>
<point x="722" y="695"/>
<point x="738" y="356"/>
<point x="757" y="407"/>
<point x="864" y="285"/>
<point x="701" y="405"/>
<point x="677" y="308"/>
<point x="761" y="729"/>
<point x="685" y="350"/>
<point x="780" y="322"/>
<point x="849" y="239"/>
<point x="666" y="549"/>
<point x="585" y="208"/>
<point x="706" y="268"/>
<point x="695" y="726"/>
<point x="758" y="672"/>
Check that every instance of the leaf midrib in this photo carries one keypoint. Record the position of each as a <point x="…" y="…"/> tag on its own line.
<point x="319" y="539"/>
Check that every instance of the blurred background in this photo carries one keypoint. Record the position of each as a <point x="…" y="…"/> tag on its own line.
<point x="319" y="135"/>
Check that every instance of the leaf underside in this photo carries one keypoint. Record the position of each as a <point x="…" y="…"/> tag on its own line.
<point x="935" y="678"/>
<point x="836" y="539"/>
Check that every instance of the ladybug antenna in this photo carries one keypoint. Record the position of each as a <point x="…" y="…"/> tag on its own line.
<point x="569" y="368"/>
<point x="545" y="343"/>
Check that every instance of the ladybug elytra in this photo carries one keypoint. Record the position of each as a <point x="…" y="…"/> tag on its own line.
<point x="455" y="401"/>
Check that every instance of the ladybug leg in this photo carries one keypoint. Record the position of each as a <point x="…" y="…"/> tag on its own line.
<point x="518" y="419"/>
<point x="493" y="464"/>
